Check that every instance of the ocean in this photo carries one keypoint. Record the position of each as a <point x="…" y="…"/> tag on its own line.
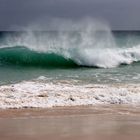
<point x="64" y="68"/>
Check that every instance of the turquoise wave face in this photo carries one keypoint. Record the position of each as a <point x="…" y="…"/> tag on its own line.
<point x="23" y="56"/>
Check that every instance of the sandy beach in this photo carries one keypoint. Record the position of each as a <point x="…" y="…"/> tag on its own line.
<point x="72" y="123"/>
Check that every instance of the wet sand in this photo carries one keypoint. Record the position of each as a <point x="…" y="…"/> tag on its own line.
<point x="115" y="122"/>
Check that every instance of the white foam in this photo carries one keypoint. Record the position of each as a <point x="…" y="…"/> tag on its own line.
<point x="45" y="95"/>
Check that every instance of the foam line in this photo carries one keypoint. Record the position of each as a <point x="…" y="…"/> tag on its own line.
<point x="63" y="93"/>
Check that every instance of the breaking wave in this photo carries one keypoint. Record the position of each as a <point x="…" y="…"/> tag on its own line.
<point x="104" y="58"/>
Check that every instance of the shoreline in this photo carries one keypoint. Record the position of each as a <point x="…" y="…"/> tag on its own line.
<point x="130" y="110"/>
<point x="63" y="111"/>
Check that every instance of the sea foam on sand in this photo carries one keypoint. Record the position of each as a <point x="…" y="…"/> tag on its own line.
<point x="48" y="94"/>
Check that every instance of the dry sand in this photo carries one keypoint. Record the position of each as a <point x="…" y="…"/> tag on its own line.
<point x="114" y="122"/>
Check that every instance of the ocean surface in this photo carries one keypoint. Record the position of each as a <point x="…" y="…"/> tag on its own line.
<point x="69" y="57"/>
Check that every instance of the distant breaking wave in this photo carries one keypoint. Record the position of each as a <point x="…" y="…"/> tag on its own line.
<point x="70" y="58"/>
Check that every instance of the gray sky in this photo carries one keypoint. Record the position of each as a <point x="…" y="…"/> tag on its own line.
<point x="121" y="14"/>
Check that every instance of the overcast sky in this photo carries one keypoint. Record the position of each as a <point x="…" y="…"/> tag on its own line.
<point x="121" y="14"/>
